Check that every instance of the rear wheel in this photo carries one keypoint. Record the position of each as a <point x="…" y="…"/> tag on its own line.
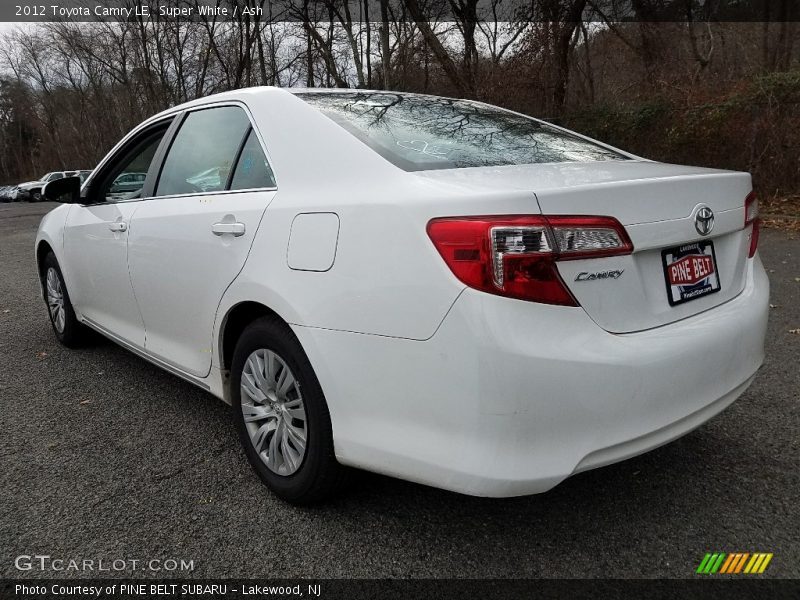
<point x="66" y="326"/>
<point x="281" y="415"/>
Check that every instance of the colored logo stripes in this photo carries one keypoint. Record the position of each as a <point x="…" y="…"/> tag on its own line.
<point x="734" y="563"/>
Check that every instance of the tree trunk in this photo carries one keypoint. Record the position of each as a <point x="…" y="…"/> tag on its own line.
<point x="450" y="69"/>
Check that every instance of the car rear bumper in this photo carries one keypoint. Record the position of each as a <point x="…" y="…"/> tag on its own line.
<point x="510" y="398"/>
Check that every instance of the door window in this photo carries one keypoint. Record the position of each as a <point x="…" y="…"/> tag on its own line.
<point x="126" y="176"/>
<point x="203" y="152"/>
<point x="252" y="169"/>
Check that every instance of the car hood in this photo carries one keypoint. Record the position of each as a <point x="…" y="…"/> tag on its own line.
<point x="30" y="184"/>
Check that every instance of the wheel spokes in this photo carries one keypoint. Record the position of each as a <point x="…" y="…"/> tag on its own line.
<point x="272" y="454"/>
<point x="285" y="383"/>
<point x="260" y="437"/>
<point x="295" y="410"/>
<point x="298" y="437"/>
<point x="289" y="459"/>
<point x="258" y="412"/>
<point x="250" y="388"/>
<point x="256" y="364"/>
<point x="270" y="366"/>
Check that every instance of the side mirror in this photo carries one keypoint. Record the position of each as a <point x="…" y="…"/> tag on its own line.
<point x="66" y="190"/>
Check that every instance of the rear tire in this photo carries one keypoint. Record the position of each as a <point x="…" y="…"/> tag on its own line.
<point x="69" y="331"/>
<point x="281" y="414"/>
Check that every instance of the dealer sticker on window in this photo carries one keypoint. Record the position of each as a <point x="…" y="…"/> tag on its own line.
<point x="690" y="271"/>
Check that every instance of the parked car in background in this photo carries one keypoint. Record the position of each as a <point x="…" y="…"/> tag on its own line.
<point x="32" y="190"/>
<point x="127" y="183"/>
<point x="434" y="289"/>
<point x="14" y="194"/>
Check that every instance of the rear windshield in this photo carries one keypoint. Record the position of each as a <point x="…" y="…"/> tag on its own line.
<point x="426" y="132"/>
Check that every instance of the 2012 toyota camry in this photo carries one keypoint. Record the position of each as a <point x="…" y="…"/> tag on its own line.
<point x="435" y="289"/>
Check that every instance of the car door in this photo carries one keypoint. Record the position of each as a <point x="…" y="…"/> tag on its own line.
<point x="188" y="243"/>
<point x="96" y="241"/>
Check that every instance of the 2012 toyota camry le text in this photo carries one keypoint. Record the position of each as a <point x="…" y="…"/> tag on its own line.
<point x="435" y="289"/>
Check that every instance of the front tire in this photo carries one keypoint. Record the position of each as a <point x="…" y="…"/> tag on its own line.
<point x="69" y="331"/>
<point x="281" y="415"/>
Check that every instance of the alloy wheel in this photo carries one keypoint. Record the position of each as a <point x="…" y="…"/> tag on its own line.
<point x="55" y="300"/>
<point x="273" y="411"/>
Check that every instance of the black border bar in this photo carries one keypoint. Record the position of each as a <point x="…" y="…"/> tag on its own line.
<point x="702" y="587"/>
<point x="30" y="11"/>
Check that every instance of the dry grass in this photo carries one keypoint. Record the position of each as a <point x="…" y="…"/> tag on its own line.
<point x="781" y="205"/>
<point x="791" y="224"/>
<point x="781" y="213"/>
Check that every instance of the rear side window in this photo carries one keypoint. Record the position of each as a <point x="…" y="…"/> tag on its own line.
<point x="202" y="155"/>
<point x="252" y="169"/>
<point x="426" y="132"/>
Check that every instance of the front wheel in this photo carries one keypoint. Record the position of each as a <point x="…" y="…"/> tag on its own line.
<point x="281" y="415"/>
<point x="66" y="326"/>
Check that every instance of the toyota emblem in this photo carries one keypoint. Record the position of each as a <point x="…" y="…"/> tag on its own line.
<point x="704" y="220"/>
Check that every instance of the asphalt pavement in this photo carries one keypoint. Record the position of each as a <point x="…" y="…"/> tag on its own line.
<point x="105" y="457"/>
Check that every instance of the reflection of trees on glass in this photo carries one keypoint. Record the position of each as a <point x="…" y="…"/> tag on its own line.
<point x="424" y="132"/>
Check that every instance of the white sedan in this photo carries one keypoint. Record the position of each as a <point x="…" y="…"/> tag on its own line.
<point x="435" y="289"/>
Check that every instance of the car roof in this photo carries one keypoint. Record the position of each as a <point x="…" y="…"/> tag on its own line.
<point x="249" y="93"/>
<point x="336" y="153"/>
<point x="241" y="95"/>
<point x="351" y="91"/>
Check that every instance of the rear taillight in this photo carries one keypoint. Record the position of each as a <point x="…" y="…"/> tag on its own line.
<point x="516" y="256"/>
<point x="751" y="218"/>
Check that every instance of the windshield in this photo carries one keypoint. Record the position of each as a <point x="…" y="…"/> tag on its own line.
<point x="426" y="132"/>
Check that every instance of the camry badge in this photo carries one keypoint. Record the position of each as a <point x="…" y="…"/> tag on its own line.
<point x="585" y="276"/>
<point x="704" y="220"/>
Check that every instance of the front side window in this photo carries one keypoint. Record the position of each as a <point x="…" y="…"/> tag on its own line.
<point x="426" y="132"/>
<point x="203" y="152"/>
<point x="125" y="179"/>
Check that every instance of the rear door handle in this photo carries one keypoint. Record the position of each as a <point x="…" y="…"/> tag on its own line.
<point x="234" y="229"/>
<point x="118" y="226"/>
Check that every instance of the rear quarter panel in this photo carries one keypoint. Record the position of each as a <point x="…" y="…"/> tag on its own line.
<point x="387" y="278"/>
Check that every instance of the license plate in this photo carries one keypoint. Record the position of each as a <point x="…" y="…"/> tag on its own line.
<point x="690" y="272"/>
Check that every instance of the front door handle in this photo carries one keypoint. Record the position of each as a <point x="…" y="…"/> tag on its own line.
<point x="118" y="226"/>
<point x="234" y="229"/>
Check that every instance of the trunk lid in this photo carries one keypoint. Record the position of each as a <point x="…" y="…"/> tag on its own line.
<point x="657" y="204"/>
